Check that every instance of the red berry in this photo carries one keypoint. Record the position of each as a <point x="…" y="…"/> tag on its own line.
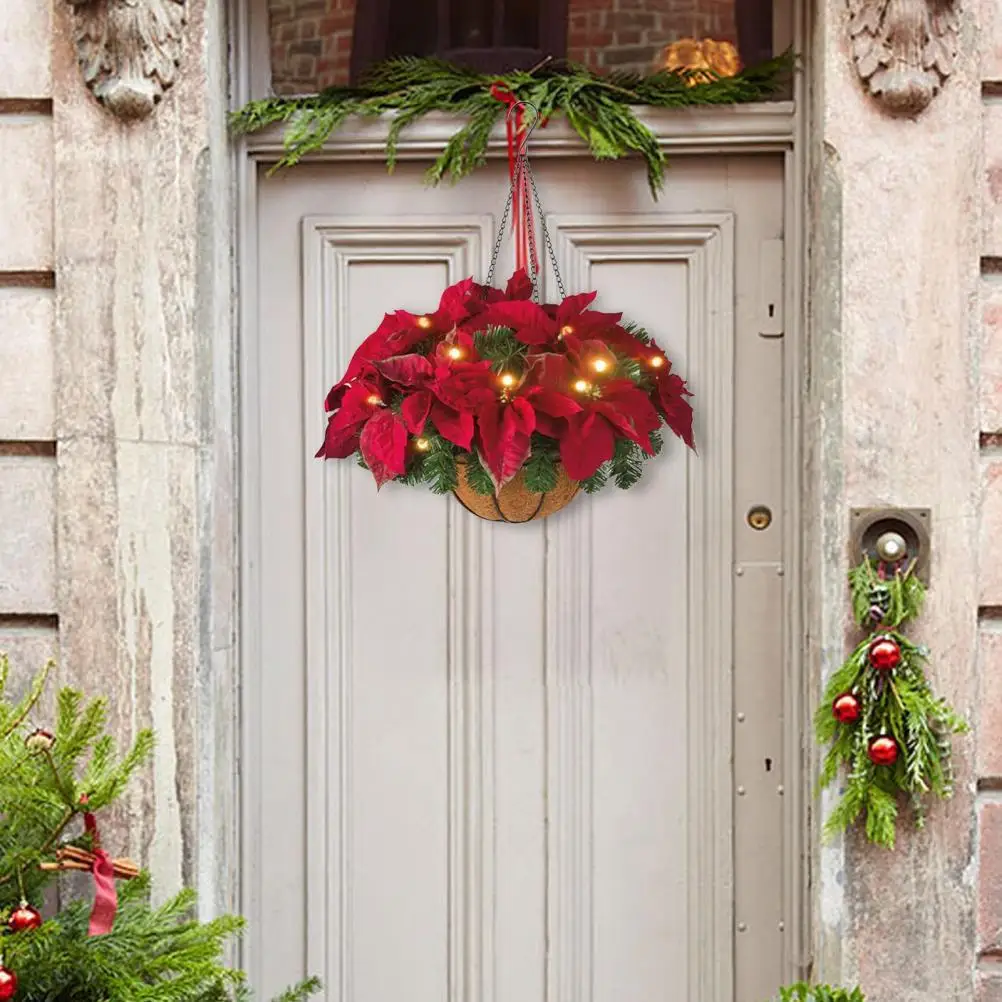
<point x="883" y="751"/>
<point x="846" y="708"/>
<point x="8" y="984"/>
<point x="24" y="918"/>
<point x="885" y="654"/>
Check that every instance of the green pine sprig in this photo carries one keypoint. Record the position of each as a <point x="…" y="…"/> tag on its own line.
<point x="601" y="109"/>
<point x="898" y="703"/>
<point x="500" y="347"/>
<point x="803" y="992"/>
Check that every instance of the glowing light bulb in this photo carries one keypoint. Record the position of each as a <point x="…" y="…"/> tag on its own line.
<point x="424" y="323"/>
<point x="455" y="353"/>
<point x="373" y="399"/>
<point x="656" y="362"/>
<point x="422" y="444"/>
<point x="507" y="380"/>
<point x="599" y="364"/>
<point x="582" y="386"/>
<point x="566" y="329"/>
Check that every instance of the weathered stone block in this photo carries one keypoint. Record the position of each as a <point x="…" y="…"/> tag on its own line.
<point x="27" y="534"/>
<point x="28" y="648"/>
<point x="27" y="388"/>
<point x="25" y="49"/>
<point x="991" y="353"/>
<point x="26" y="194"/>
<point x="989" y="760"/>
<point x="990" y="576"/>
<point x="990" y="878"/>
<point x="990" y="30"/>
<point x="989" y="988"/>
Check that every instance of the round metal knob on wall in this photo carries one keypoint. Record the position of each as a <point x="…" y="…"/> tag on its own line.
<point x="759" y="517"/>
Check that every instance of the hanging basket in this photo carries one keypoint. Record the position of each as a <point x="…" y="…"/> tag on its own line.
<point x="515" y="503"/>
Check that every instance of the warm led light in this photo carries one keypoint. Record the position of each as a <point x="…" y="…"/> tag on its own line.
<point x="424" y="323"/>
<point x="656" y="362"/>
<point x="582" y="386"/>
<point x="600" y="364"/>
<point x="422" y="444"/>
<point x="566" y="329"/>
<point x="374" y="399"/>
<point x="455" y="353"/>
<point x="507" y="380"/>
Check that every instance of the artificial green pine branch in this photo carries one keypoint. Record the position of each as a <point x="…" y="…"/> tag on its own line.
<point x="601" y="109"/>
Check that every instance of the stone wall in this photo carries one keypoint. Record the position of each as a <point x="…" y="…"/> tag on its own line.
<point x="989" y="760"/>
<point x="116" y="429"/>
<point x="28" y="590"/>
<point x="894" y="421"/>
<point x="311" y="39"/>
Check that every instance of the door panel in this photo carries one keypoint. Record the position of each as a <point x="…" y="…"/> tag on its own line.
<point x="500" y="763"/>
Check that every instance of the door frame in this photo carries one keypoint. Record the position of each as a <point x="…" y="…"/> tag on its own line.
<point x="777" y="127"/>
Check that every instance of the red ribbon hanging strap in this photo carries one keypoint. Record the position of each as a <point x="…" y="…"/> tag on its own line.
<point x="521" y="199"/>
<point x="102" y="916"/>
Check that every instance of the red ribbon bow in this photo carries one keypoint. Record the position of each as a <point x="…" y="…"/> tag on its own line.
<point x="521" y="199"/>
<point x="102" y="916"/>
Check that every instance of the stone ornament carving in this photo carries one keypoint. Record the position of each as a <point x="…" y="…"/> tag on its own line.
<point x="904" y="49"/>
<point x="128" y="50"/>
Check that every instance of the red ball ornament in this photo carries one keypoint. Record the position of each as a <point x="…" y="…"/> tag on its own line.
<point x="885" y="654"/>
<point x="24" y="918"/>
<point x="8" y="984"/>
<point x="846" y="708"/>
<point x="883" y="751"/>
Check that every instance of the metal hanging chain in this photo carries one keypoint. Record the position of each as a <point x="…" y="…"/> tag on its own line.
<point x="522" y="165"/>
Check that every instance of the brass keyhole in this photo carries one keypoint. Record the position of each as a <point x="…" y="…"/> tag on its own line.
<point x="760" y="517"/>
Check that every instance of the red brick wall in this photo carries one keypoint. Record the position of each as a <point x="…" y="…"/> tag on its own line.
<point x="310" y="44"/>
<point x="311" y="39"/>
<point x="631" y="34"/>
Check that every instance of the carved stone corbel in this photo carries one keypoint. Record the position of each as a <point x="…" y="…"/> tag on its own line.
<point x="128" y="50"/>
<point x="904" y="50"/>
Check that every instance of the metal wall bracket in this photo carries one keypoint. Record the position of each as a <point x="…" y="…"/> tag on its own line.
<point x="867" y="525"/>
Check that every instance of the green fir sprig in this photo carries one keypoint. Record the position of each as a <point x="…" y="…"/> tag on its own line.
<point x="897" y="703"/>
<point x="601" y="109"/>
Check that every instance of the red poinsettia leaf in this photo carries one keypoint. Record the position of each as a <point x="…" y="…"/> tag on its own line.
<point x="454" y="304"/>
<point x="551" y="427"/>
<point x="551" y="370"/>
<point x="339" y="442"/>
<point x="671" y="392"/>
<point x="551" y="402"/>
<point x="505" y="446"/>
<point x="384" y="446"/>
<point x="632" y="402"/>
<point x="591" y="321"/>
<point x="414" y="410"/>
<point x="517" y="314"/>
<point x="588" y="443"/>
<point x="523" y="417"/>
<point x="535" y="336"/>
<point x="519" y="285"/>
<point x="572" y="306"/>
<point x="406" y="370"/>
<point x="456" y="426"/>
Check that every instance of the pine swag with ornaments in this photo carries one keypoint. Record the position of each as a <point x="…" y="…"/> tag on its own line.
<point x="879" y="714"/>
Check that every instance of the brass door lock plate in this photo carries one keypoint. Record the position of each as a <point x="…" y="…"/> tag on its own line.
<point x="891" y="534"/>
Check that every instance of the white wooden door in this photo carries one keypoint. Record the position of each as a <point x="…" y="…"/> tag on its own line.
<point x="517" y="763"/>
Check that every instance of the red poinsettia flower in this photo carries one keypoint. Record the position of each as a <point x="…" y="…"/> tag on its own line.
<point x="507" y="421"/>
<point x="609" y="407"/>
<point x="544" y="325"/>
<point x="446" y="393"/>
<point x="359" y="403"/>
<point x="399" y="332"/>
<point x="670" y="394"/>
